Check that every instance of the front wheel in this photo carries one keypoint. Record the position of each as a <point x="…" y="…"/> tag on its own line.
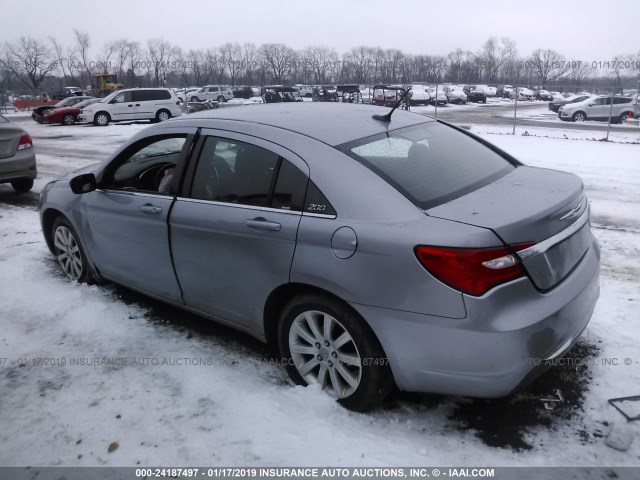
<point x="101" y="119"/>
<point x="220" y="99"/>
<point x="578" y="117"/>
<point x="324" y="342"/>
<point x="68" y="119"/>
<point x="68" y="251"/>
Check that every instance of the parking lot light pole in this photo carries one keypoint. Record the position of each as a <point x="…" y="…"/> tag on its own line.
<point x="515" y="111"/>
<point x="610" y="112"/>
<point x="436" y="113"/>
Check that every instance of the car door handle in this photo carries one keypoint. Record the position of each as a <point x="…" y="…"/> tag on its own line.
<point x="263" y="224"/>
<point x="150" y="209"/>
<point x="137" y="104"/>
<point x="130" y="105"/>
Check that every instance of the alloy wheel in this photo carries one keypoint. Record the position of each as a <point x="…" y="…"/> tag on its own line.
<point x="325" y="353"/>
<point x="68" y="252"/>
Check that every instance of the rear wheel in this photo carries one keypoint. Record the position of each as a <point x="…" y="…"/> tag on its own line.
<point x="624" y="116"/>
<point x="69" y="251"/>
<point x="101" y="119"/>
<point x="324" y="342"/>
<point x="22" y="185"/>
<point x="163" y="115"/>
<point x="195" y="99"/>
<point x="220" y="99"/>
<point x="68" y="119"/>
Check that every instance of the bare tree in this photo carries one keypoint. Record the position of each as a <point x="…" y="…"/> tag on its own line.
<point x="160" y="52"/>
<point x="82" y="49"/>
<point x="320" y="61"/>
<point x="30" y="60"/>
<point x="58" y="52"/>
<point x="232" y="59"/>
<point x="134" y="53"/>
<point x="494" y="54"/>
<point x="548" y="65"/>
<point x="278" y="59"/>
<point x="250" y="61"/>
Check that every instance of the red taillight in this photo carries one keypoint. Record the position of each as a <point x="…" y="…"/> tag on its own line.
<point x="25" y="142"/>
<point x="472" y="270"/>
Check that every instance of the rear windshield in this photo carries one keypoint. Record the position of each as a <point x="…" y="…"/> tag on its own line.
<point x="431" y="163"/>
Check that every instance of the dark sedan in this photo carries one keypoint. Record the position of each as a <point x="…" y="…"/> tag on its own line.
<point x="555" y="105"/>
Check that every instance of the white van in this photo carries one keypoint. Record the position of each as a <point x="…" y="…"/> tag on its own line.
<point x="155" y="104"/>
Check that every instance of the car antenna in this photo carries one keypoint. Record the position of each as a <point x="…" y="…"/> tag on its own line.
<point x="387" y="117"/>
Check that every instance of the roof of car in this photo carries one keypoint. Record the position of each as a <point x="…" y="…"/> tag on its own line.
<point x="331" y="122"/>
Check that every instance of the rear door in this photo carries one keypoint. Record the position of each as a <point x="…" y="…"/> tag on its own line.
<point x="234" y="228"/>
<point x="144" y="101"/>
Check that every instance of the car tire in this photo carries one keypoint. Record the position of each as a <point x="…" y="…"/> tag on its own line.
<point x="22" y="185"/>
<point x="220" y="99"/>
<point x="623" y="117"/>
<point x="195" y="99"/>
<point x="578" y="117"/>
<point x="68" y="119"/>
<point x="332" y="341"/>
<point x="101" y="119"/>
<point x="69" y="252"/>
<point x="163" y="115"/>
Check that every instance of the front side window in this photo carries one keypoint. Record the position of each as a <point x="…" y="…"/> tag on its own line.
<point x="123" y="97"/>
<point x="232" y="171"/>
<point x="431" y="163"/>
<point x="144" y="166"/>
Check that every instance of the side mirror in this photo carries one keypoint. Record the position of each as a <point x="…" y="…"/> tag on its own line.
<point x="83" y="183"/>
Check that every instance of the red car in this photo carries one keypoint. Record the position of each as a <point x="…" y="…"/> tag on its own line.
<point x="67" y="115"/>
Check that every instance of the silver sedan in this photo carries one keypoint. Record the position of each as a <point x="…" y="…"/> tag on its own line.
<point x="372" y="253"/>
<point x="17" y="157"/>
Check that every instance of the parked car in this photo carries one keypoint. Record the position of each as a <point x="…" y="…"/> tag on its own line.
<point x="555" y="105"/>
<point x="242" y="92"/>
<point x="67" y="115"/>
<point x="419" y="94"/>
<point x="278" y="94"/>
<point x="371" y="254"/>
<point x="556" y="96"/>
<point x="437" y="96"/>
<point x="543" y="95"/>
<point x="38" y="113"/>
<point x="523" y="93"/>
<point x="476" y="95"/>
<point x="599" y="108"/>
<point x="184" y="93"/>
<point x="17" y="157"/>
<point x="155" y="104"/>
<point x="221" y="93"/>
<point x="455" y="94"/>
<point x="68" y="92"/>
<point x="305" y="90"/>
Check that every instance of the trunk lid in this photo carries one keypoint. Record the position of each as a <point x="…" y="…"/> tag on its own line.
<point x="9" y="138"/>
<point x="546" y="207"/>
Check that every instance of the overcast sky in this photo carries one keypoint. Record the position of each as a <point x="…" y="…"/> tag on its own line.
<point x="587" y="30"/>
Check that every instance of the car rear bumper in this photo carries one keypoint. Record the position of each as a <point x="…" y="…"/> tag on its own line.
<point x="21" y="165"/>
<point x="508" y="335"/>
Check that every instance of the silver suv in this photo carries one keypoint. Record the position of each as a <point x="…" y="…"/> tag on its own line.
<point x="599" y="108"/>
<point x="220" y="93"/>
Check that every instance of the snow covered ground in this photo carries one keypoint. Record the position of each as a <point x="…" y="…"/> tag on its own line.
<point x="82" y="367"/>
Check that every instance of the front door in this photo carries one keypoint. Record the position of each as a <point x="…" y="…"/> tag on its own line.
<point x="127" y="216"/>
<point x="121" y="107"/>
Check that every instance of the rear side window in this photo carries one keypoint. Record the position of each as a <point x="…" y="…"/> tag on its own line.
<point x="147" y="95"/>
<point x="430" y="164"/>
